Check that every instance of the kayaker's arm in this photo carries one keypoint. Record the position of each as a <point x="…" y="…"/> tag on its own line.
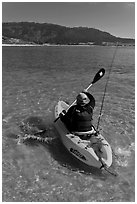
<point x="66" y="118"/>
<point x="91" y="98"/>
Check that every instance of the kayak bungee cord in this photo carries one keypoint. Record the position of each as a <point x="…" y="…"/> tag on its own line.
<point x="106" y="87"/>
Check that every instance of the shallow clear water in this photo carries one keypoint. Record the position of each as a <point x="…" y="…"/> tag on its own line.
<point x="34" y="79"/>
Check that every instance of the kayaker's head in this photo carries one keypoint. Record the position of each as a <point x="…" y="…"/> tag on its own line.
<point x="82" y="99"/>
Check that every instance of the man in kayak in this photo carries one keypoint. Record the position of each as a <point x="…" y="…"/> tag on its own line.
<point x="78" y="118"/>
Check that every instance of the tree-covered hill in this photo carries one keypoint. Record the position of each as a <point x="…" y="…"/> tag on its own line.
<point x="41" y="33"/>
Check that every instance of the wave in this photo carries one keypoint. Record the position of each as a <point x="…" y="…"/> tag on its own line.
<point x="124" y="154"/>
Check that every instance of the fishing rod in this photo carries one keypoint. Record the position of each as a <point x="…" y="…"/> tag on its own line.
<point x="106" y="86"/>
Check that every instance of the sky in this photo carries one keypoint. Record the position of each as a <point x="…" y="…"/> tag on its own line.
<point x="116" y="18"/>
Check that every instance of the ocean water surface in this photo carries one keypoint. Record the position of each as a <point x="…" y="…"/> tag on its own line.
<point x="34" y="79"/>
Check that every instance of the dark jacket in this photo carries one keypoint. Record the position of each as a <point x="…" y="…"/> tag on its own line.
<point x="79" y="118"/>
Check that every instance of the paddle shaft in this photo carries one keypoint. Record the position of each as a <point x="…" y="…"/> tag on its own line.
<point x="98" y="76"/>
<point x="75" y="100"/>
<point x="112" y="173"/>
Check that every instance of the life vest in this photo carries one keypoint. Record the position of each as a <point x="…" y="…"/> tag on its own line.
<point x="82" y="119"/>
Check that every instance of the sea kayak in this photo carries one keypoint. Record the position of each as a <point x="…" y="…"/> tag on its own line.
<point x="84" y="150"/>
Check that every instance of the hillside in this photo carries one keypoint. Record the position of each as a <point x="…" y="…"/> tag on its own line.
<point x="41" y="33"/>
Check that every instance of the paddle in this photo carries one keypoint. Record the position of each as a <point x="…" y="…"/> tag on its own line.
<point x="112" y="173"/>
<point x="97" y="77"/>
<point x="106" y="169"/>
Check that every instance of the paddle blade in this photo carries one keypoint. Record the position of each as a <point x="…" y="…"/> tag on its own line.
<point x="99" y="75"/>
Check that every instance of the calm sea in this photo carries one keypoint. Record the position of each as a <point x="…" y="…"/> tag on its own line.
<point x="34" y="80"/>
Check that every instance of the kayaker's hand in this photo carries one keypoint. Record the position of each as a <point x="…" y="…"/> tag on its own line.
<point x="63" y="112"/>
<point x="85" y="91"/>
<point x="61" y="115"/>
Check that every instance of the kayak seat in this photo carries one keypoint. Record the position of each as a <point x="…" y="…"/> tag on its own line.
<point x="86" y="135"/>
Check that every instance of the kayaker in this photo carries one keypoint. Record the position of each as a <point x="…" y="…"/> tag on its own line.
<point x="78" y="118"/>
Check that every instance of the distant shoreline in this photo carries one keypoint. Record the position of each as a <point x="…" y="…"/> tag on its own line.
<point x="53" y="45"/>
<point x="18" y="45"/>
<point x="50" y="45"/>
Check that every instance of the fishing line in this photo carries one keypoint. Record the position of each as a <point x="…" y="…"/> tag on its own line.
<point x="106" y="86"/>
